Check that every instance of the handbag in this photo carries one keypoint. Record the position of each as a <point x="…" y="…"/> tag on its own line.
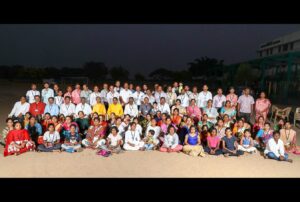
<point x="40" y="140"/>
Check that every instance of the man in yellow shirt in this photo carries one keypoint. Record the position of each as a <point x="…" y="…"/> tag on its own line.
<point x="99" y="108"/>
<point x="115" y="108"/>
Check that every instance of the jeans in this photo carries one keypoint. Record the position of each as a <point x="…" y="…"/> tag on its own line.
<point x="149" y="146"/>
<point x="42" y="148"/>
<point x="271" y="155"/>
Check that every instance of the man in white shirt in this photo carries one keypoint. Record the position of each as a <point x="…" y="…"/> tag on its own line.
<point x="111" y="94"/>
<point x="31" y="93"/>
<point x="131" y="108"/>
<point x="118" y="87"/>
<point x="46" y="93"/>
<point x="150" y="96"/>
<point x="83" y="106"/>
<point x="103" y="95"/>
<point x="219" y="99"/>
<point x="138" y="96"/>
<point x="86" y="92"/>
<point x="94" y="95"/>
<point x="133" y="139"/>
<point x="159" y="94"/>
<point x="67" y="108"/>
<point x="163" y="106"/>
<point x="125" y="93"/>
<point x="187" y="90"/>
<point x="19" y="110"/>
<point x="194" y="95"/>
<point x="275" y="149"/>
<point x="171" y="96"/>
<point x="184" y="98"/>
<point x="203" y="97"/>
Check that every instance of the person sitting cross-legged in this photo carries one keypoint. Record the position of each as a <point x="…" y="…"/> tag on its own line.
<point x="275" y="149"/>
<point x="95" y="136"/>
<point x="51" y="140"/>
<point x="132" y="139"/>
<point x="213" y="143"/>
<point x="114" y="141"/>
<point x="171" y="141"/>
<point x="72" y="141"/>
<point x="230" y="145"/>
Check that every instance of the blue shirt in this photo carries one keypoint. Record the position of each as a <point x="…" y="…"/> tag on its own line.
<point x="52" y="109"/>
<point x="229" y="142"/>
<point x="38" y="128"/>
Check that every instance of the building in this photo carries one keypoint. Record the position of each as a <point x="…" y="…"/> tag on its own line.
<point x="281" y="45"/>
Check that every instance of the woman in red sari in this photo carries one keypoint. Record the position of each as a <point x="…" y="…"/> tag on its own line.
<point x="18" y="141"/>
<point x="262" y="106"/>
<point x="176" y="118"/>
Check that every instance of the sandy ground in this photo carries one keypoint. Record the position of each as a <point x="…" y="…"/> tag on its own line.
<point x="132" y="164"/>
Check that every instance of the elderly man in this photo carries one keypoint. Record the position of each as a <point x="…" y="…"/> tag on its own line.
<point x="159" y="94"/>
<point x="125" y="93"/>
<point x="131" y="108"/>
<point x="163" y="106"/>
<point x="83" y="106"/>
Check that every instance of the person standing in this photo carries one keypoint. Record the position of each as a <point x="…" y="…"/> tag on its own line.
<point x="111" y="94"/>
<point x="59" y="100"/>
<point x="31" y="93"/>
<point x="159" y="94"/>
<point x="46" y="93"/>
<point x="76" y="94"/>
<point x="184" y="98"/>
<point x="262" y="106"/>
<point x="219" y="100"/>
<point x="203" y="97"/>
<point x="245" y="105"/>
<point x="163" y="106"/>
<point x="138" y="96"/>
<point x="86" y="92"/>
<point x="94" y="95"/>
<point x="232" y="97"/>
<point x="125" y="93"/>
<point x="103" y="95"/>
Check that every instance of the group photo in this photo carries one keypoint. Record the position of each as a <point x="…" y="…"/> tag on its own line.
<point x="211" y="119"/>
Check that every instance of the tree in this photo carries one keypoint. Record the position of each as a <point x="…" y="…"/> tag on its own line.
<point x="161" y="74"/>
<point x="246" y="74"/>
<point x="95" y="70"/>
<point x="119" y="73"/>
<point x="206" y="67"/>
<point x="139" y="77"/>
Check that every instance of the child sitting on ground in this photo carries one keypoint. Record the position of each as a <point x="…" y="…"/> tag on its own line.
<point x="150" y="141"/>
<point x="230" y="145"/>
<point x="114" y="141"/>
<point x="246" y="143"/>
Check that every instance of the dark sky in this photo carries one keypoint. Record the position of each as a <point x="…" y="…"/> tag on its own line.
<point x="139" y="48"/>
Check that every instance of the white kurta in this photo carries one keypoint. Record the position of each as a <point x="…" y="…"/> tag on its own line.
<point x="133" y="137"/>
<point x="86" y="108"/>
<point x="203" y="97"/>
<point x="30" y="95"/>
<point x="67" y="110"/>
<point x="165" y="108"/>
<point x="132" y="110"/>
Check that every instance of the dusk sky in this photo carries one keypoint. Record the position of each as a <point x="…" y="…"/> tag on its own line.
<point x="139" y="48"/>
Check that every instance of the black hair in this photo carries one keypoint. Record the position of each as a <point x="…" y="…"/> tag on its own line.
<point x="152" y="132"/>
<point x="50" y="124"/>
<point x="114" y="128"/>
<point x="8" y="119"/>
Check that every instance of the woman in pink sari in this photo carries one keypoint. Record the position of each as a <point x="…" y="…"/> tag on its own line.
<point x="232" y="97"/>
<point x="262" y="106"/>
<point x="193" y="111"/>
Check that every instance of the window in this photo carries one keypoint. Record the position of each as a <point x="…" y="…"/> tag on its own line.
<point x="285" y="47"/>
<point x="291" y="46"/>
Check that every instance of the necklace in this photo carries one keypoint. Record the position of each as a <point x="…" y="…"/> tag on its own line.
<point x="287" y="135"/>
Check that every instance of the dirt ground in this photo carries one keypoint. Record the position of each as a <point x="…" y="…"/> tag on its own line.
<point x="131" y="164"/>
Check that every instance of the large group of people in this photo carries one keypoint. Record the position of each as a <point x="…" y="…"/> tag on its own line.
<point x="172" y="118"/>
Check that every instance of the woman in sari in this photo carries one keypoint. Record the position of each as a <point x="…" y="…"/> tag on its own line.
<point x="26" y="118"/>
<point x="18" y="141"/>
<point x="204" y="122"/>
<point x="193" y="111"/>
<point x="176" y="119"/>
<point x="229" y="110"/>
<point x="182" y="110"/>
<point x="259" y="124"/>
<point x="288" y="136"/>
<point x="262" y="106"/>
<point x="204" y="134"/>
<point x="66" y="126"/>
<point x="232" y="97"/>
<point x="56" y="124"/>
<point x="227" y="122"/>
<point x="6" y="130"/>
